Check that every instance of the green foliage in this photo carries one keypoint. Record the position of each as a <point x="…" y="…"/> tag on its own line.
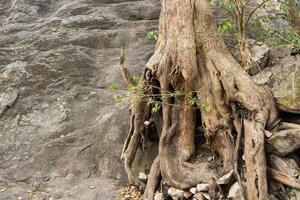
<point x="225" y="27"/>
<point x="206" y="107"/>
<point x="117" y="98"/>
<point x="284" y="8"/>
<point x="289" y="37"/>
<point x="151" y="36"/>
<point x="227" y="4"/>
<point x="155" y="108"/>
<point x="113" y="86"/>
<point x="136" y="78"/>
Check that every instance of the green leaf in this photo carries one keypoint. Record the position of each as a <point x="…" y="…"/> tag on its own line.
<point x="151" y="36"/>
<point x="206" y="108"/>
<point x="113" y="86"/>
<point x="117" y="98"/>
<point x="178" y="93"/>
<point x="225" y="27"/>
<point x="155" y="108"/>
<point x="136" y="78"/>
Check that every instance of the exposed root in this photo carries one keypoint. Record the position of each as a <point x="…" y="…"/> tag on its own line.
<point x="154" y="178"/>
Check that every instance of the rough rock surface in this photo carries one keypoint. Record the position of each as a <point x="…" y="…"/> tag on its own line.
<point x="284" y="80"/>
<point x="61" y="133"/>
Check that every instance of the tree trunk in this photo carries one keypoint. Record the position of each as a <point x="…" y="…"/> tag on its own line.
<point x="191" y="57"/>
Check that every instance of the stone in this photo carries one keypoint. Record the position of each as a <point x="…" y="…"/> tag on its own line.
<point x="7" y="100"/>
<point x="158" y="196"/>
<point x="225" y="179"/>
<point x="175" y="193"/>
<point x="199" y="196"/>
<point x="234" y="191"/>
<point x="193" y="190"/>
<point x="202" y="187"/>
<point x="206" y="195"/>
<point x="278" y="52"/>
<point x="143" y="177"/>
<point x="259" y="57"/>
<point x="187" y="194"/>
<point x="284" y="81"/>
<point x="268" y="134"/>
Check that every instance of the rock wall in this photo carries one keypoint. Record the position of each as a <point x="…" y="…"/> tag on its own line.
<point x="61" y="132"/>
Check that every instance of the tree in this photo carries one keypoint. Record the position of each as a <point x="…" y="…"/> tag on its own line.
<point x="191" y="57"/>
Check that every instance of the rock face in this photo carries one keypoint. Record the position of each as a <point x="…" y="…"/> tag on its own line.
<point x="61" y="133"/>
<point x="284" y="80"/>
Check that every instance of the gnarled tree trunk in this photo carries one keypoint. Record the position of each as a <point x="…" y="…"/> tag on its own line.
<point x="190" y="56"/>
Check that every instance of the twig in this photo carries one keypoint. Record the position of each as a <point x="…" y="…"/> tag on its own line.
<point x="125" y="73"/>
<point x="254" y="10"/>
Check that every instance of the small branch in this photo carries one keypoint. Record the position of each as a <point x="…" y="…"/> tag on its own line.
<point x="254" y="10"/>
<point x="284" y="178"/>
<point x="125" y="73"/>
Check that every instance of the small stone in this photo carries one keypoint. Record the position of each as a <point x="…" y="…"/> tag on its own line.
<point x="3" y="189"/>
<point x="92" y="187"/>
<point x="20" y="198"/>
<point x="146" y="123"/>
<point x="268" y="134"/>
<point x="225" y="179"/>
<point x="187" y="194"/>
<point x="206" y="196"/>
<point x="210" y="158"/>
<point x="158" y="196"/>
<point x="234" y="191"/>
<point x="143" y="177"/>
<point x="193" y="190"/>
<point x="199" y="196"/>
<point x="62" y="136"/>
<point x="202" y="187"/>
<point x="175" y="193"/>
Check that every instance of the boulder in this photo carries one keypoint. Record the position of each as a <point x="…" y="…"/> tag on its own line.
<point x="284" y="81"/>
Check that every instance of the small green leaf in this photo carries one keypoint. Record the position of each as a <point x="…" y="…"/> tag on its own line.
<point x="155" y="108"/>
<point x="136" y="78"/>
<point x="117" y="98"/>
<point x="206" y="108"/>
<point x="113" y="86"/>
<point x="151" y="36"/>
<point x="178" y="93"/>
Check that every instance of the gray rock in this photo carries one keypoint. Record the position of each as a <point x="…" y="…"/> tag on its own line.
<point x="7" y="100"/>
<point x="158" y="196"/>
<point x="206" y="196"/>
<point x="143" y="177"/>
<point x="193" y="190"/>
<point x="187" y="194"/>
<point x="279" y="52"/>
<point x="202" y="187"/>
<point x="284" y="80"/>
<point x="199" y="196"/>
<point x="259" y="57"/>
<point x="175" y="193"/>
